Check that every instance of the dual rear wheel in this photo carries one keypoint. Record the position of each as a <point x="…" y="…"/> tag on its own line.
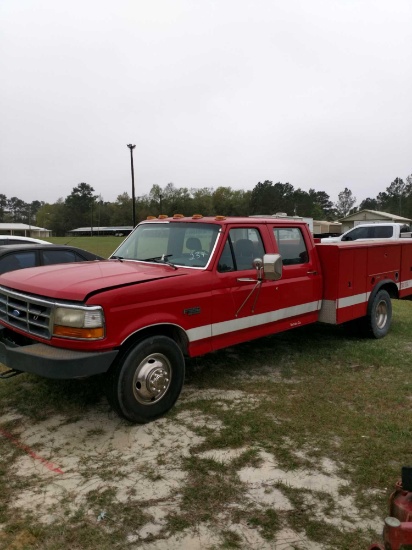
<point x="377" y="322"/>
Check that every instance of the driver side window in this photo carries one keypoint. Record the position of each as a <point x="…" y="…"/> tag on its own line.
<point x="243" y="245"/>
<point x="226" y="262"/>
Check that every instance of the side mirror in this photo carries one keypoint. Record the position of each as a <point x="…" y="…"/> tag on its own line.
<point x="272" y="266"/>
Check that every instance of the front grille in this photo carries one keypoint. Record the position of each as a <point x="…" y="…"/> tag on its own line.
<point x="29" y="314"/>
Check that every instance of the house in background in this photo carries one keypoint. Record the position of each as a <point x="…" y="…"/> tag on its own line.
<point x="325" y="228"/>
<point x="370" y="216"/>
<point x="117" y="231"/>
<point x="24" y="230"/>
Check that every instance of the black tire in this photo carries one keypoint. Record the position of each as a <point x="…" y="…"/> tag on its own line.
<point x="147" y="380"/>
<point x="379" y="317"/>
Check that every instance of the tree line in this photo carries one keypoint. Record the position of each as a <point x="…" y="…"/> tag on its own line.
<point x="84" y="208"/>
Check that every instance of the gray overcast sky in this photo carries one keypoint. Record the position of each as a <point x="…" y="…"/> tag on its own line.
<point x="213" y="93"/>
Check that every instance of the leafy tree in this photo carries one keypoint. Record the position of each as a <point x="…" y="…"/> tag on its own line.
<point x="229" y="202"/>
<point x="369" y="204"/>
<point x="156" y="200"/>
<point x="262" y="198"/>
<point x="3" y="206"/>
<point x="102" y="212"/>
<point x="34" y="208"/>
<point x="52" y="217"/>
<point x="396" y="197"/>
<point x="121" y="211"/>
<point x="303" y="204"/>
<point x="29" y="212"/>
<point x="174" y="200"/>
<point x="240" y="203"/>
<point x="16" y="208"/>
<point x="345" y="203"/>
<point x="322" y="200"/>
<point x="177" y="200"/>
<point x="203" y="201"/>
<point x="79" y="206"/>
<point x="269" y="198"/>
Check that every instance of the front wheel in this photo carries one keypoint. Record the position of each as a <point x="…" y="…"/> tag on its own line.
<point x="146" y="382"/>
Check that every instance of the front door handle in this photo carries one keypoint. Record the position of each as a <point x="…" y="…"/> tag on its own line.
<point x="312" y="272"/>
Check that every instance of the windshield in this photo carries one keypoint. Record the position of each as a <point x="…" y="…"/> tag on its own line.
<point x="184" y="244"/>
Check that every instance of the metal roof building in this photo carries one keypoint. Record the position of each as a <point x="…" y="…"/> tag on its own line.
<point x="118" y="231"/>
<point x="24" y="230"/>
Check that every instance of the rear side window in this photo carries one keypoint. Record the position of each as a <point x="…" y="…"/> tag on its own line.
<point x="59" y="257"/>
<point x="291" y="245"/>
<point x="19" y="260"/>
<point x="382" y="232"/>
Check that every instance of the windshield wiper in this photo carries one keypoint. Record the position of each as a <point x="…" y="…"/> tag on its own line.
<point x="163" y="259"/>
<point x="120" y="258"/>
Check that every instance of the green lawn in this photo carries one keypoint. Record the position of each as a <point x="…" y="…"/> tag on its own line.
<point x="307" y="397"/>
<point x="103" y="246"/>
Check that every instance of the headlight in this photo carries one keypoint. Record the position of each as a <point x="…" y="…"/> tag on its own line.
<point x="82" y="323"/>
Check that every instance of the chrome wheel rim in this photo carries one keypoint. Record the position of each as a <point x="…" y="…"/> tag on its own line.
<point x="381" y="315"/>
<point x="152" y="379"/>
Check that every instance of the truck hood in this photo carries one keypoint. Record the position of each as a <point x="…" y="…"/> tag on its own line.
<point x="78" y="280"/>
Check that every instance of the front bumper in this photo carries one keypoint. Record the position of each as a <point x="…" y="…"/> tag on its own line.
<point x="51" y="362"/>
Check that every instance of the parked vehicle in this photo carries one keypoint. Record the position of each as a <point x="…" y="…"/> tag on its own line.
<point x="185" y="286"/>
<point x="20" y="256"/>
<point x="14" y="239"/>
<point x="372" y="231"/>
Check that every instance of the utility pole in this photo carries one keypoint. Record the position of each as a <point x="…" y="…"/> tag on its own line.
<point x="131" y="147"/>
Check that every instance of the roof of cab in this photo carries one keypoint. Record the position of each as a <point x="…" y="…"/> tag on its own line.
<point x="225" y="220"/>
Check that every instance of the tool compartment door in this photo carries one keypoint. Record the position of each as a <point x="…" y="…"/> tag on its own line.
<point x="344" y="282"/>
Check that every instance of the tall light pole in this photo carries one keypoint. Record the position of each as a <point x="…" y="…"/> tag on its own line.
<point x="131" y="147"/>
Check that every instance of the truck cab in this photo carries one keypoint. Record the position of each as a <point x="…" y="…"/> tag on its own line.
<point x="371" y="231"/>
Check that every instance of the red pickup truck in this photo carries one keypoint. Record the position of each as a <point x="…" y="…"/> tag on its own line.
<point x="184" y="286"/>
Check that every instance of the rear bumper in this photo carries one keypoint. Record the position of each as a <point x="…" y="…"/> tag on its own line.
<point x="51" y="362"/>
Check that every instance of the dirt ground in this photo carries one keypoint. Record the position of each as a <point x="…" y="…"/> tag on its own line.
<point x="143" y="463"/>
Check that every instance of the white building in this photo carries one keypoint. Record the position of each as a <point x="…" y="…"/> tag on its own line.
<point x="370" y="216"/>
<point x="24" y="230"/>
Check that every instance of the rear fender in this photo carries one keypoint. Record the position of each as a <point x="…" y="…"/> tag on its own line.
<point x="388" y="285"/>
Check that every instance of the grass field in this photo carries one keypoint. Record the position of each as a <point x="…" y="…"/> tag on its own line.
<point x="103" y="246"/>
<point x="313" y="417"/>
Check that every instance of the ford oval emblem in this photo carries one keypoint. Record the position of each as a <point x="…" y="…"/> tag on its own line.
<point x="16" y="313"/>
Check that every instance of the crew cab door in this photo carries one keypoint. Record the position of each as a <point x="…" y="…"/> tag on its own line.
<point x="299" y="290"/>
<point x="243" y="307"/>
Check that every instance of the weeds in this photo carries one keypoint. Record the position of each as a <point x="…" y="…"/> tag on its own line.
<point x="312" y="402"/>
